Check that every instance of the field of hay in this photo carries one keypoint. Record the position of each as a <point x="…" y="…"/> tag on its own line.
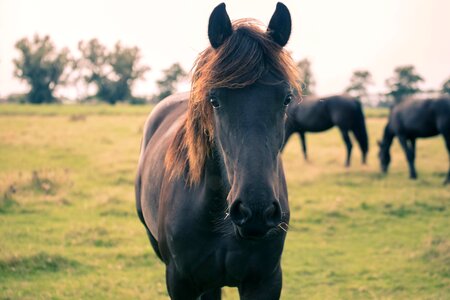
<point x="69" y="230"/>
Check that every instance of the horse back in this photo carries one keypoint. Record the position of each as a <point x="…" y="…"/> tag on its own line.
<point x="320" y="114"/>
<point x="344" y="111"/>
<point x="310" y="115"/>
<point x="420" y="118"/>
<point x="159" y="130"/>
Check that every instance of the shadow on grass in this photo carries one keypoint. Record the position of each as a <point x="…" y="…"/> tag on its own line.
<point x="94" y="236"/>
<point x="400" y="212"/>
<point x="118" y="213"/>
<point x="7" y="203"/>
<point x="437" y="254"/>
<point x="41" y="262"/>
<point x="144" y="260"/>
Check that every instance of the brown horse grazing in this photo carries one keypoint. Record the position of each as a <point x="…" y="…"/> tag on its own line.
<point x="210" y="188"/>
<point x="414" y="119"/>
<point x="320" y="114"/>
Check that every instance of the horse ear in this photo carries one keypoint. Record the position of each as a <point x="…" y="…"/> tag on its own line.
<point x="219" y="27"/>
<point x="280" y="25"/>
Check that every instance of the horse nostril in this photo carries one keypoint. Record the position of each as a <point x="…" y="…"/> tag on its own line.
<point x="239" y="213"/>
<point x="272" y="215"/>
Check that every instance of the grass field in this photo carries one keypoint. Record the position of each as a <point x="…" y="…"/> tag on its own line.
<point x="69" y="230"/>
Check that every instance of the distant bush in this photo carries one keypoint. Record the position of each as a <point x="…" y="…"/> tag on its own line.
<point x="42" y="66"/>
<point x="168" y="84"/>
<point x="17" y="98"/>
<point x="404" y="83"/>
<point x="138" y="101"/>
<point x="112" y="72"/>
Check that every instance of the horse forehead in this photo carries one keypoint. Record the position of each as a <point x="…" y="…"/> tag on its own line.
<point x="255" y="90"/>
<point x="248" y="104"/>
<point x="259" y="90"/>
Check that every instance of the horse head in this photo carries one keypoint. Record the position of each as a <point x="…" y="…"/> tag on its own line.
<point x="249" y="94"/>
<point x="384" y="155"/>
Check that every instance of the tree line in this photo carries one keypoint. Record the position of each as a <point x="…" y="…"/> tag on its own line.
<point x="109" y="74"/>
<point x="403" y="84"/>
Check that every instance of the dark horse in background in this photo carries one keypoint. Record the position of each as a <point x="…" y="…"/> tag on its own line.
<point x="320" y="114"/>
<point x="412" y="119"/>
<point x="210" y="188"/>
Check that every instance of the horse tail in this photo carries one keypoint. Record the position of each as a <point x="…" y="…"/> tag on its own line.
<point x="360" y="131"/>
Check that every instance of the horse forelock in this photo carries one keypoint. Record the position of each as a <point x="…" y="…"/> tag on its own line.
<point x="247" y="55"/>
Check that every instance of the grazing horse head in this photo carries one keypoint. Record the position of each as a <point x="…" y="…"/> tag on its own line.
<point x="241" y="87"/>
<point x="384" y="155"/>
<point x="384" y="152"/>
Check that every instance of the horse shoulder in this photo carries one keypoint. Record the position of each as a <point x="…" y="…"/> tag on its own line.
<point x="441" y="109"/>
<point x="159" y="130"/>
<point x="161" y="112"/>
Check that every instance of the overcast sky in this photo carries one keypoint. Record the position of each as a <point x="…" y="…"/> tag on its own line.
<point x="338" y="36"/>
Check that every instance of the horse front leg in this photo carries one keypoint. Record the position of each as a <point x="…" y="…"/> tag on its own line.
<point x="410" y="153"/>
<point x="348" y="144"/>
<point x="268" y="288"/>
<point x="413" y="148"/>
<point x="214" y="294"/>
<point x="447" y="144"/>
<point x="179" y="288"/>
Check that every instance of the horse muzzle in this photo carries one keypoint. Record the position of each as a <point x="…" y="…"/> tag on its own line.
<point x="253" y="223"/>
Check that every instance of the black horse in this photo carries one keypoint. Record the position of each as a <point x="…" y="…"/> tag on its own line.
<point x="210" y="187"/>
<point x="320" y="114"/>
<point x="414" y="119"/>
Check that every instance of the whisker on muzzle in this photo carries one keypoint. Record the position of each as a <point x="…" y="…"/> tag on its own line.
<point x="283" y="226"/>
<point x="227" y="213"/>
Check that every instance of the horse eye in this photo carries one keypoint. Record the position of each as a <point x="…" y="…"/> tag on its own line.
<point x="214" y="102"/>
<point x="287" y="100"/>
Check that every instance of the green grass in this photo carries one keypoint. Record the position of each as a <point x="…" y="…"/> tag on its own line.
<point x="69" y="230"/>
<point x="71" y="109"/>
<point x="372" y="112"/>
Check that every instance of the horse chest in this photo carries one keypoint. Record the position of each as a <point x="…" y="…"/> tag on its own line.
<point x="251" y="263"/>
<point x="223" y="261"/>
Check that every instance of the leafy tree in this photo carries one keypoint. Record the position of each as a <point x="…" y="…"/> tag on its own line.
<point x="358" y="84"/>
<point x="404" y="83"/>
<point x="112" y="72"/>
<point x="306" y="77"/>
<point x="167" y="85"/>
<point x="446" y="87"/>
<point x="91" y="66"/>
<point x="41" y="66"/>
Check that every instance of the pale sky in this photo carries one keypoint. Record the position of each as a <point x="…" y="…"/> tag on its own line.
<point x="338" y="36"/>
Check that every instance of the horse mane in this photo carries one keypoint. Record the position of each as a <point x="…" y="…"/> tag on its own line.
<point x="244" y="57"/>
